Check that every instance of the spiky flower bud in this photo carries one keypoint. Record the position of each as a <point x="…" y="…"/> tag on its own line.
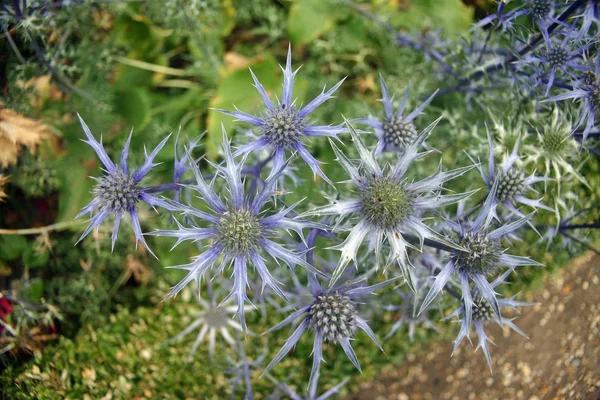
<point x="117" y="191"/>
<point x="385" y="202"/>
<point x="398" y="133"/>
<point x="589" y="78"/>
<point x="333" y="315"/>
<point x="239" y="232"/>
<point x="557" y="56"/>
<point x="541" y="9"/>
<point x="283" y="126"/>
<point x="511" y="184"/>
<point x="482" y="310"/>
<point x="482" y="254"/>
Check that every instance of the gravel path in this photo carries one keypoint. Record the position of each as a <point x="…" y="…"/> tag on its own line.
<point x="561" y="360"/>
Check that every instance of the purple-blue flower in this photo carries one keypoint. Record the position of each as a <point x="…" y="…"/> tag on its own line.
<point x="387" y="205"/>
<point x="118" y="192"/>
<point x="333" y="317"/>
<point x="395" y="131"/>
<point x="484" y="314"/>
<point x="512" y="183"/>
<point x="503" y="19"/>
<point x="238" y="229"/>
<point x="481" y="255"/>
<point x="589" y="92"/>
<point x="283" y="126"/>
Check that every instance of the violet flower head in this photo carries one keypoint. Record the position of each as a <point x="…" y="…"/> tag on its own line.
<point x="482" y="255"/>
<point x="284" y="126"/>
<point x="238" y="229"/>
<point x="483" y="314"/>
<point x="118" y="192"/>
<point x="512" y="183"/>
<point x="333" y="317"/>
<point x="540" y="11"/>
<point x="589" y="92"/>
<point x="387" y="205"/>
<point x="395" y="131"/>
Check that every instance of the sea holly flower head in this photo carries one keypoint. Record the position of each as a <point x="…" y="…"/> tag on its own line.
<point x="212" y="320"/>
<point x="512" y="182"/>
<point x="387" y="205"/>
<point x="481" y="255"/>
<point x="239" y="230"/>
<point x="284" y="126"/>
<point x="482" y="314"/>
<point x="589" y="92"/>
<point x="118" y="192"/>
<point x="396" y="130"/>
<point x="332" y="316"/>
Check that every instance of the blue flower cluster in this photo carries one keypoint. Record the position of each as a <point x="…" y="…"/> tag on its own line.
<point x="389" y="224"/>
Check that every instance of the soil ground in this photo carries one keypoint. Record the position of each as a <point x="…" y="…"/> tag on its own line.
<point x="561" y="359"/>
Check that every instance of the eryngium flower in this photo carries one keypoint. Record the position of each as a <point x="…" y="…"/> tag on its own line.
<point x="212" y="320"/>
<point x="118" y="192"/>
<point x="387" y="205"/>
<point x="481" y="256"/>
<point x="512" y="183"/>
<point x="333" y="317"/>
<point x="483" y="314"/>
<point x="238" y="230"/>
<point x="396" y="131"/>
<point x="283" y="125"/>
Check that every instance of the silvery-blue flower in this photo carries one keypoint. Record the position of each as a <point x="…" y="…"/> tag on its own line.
<point x="588" y="91"/>
<point x="387" y="205"/>
<point x="119" y="191"/>
<point x="396" y="130"/>
<point x="333" y="317"/>
<point x="483" y="314"/>
<point x="482" y="255"/>
<point x="284" y="126"/>
<point x="238" y="229"/>
<point x="512" y="182"/>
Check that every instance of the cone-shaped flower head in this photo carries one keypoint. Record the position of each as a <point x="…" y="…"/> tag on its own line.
<point x="387" y="205"/>
<point x="396" y="130"/>
<point x="284" y="126"/>
<point x="333" y="317"/>
<point x="483" y="314"/>
<point x="481" y="255"/>
<point x="238" y="229"/>
<point x="512" y="183"/>
<point x="118" y="192"/>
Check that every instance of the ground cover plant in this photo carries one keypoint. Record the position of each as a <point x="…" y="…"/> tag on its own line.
<point x="265" y="185"/>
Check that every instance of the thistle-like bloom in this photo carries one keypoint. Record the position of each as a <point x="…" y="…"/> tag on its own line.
<point x="556" y="57"/>
<point x="512" y="183"/>
<point x="238" y="229"/>
<point x="387" y="204"/>
<point x="118" y="192"/>
<point x="557" y="148"/>
<point x="483" y="255"/>
<point x="332" y="316"/>
<point x="541" y="11"/>
<point x="483" y="314"/>
<point x="283" y="126"/>
<point x="212" y="320"/>
<point x="396" y="131"/>
<point x="589" y="92"/>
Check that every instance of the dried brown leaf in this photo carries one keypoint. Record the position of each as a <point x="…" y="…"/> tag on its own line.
<point x="16" y="131"/>
<point x="3" y="182"/>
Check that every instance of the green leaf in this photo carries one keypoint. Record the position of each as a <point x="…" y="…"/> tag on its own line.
<point x="308" y="19"/>
<point x="134" y="106"/>
<point x="12" y="246"/>
<point x="34" y="290"/>
<point x="33" y="259"/>
<point x="452" y="15"/>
